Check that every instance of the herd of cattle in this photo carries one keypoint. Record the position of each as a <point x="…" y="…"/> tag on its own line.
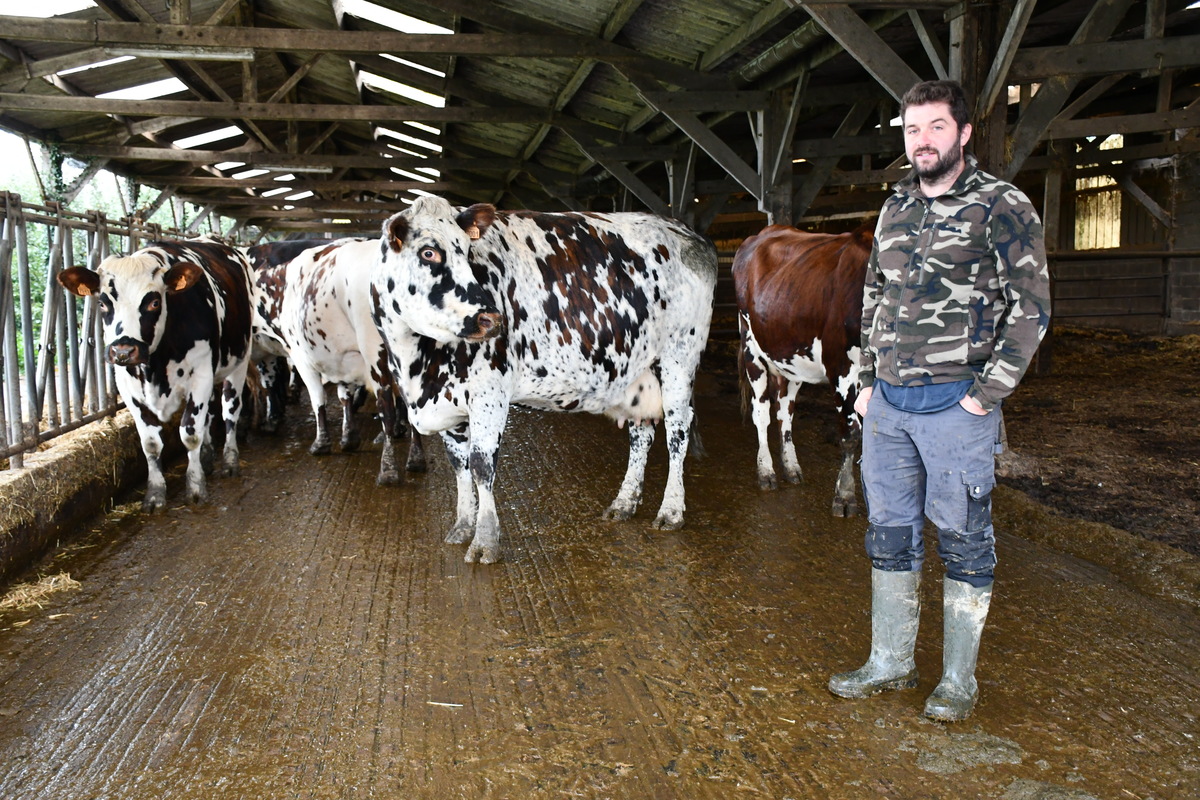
<point x="452" y="315"/>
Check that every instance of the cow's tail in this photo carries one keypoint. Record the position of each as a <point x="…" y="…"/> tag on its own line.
<point x="695" y="444"/>
<point x="744" y="391"/>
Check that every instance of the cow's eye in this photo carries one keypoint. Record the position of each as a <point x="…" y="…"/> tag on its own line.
<point x="154" y="304"/>
<point x="431" y="254"/>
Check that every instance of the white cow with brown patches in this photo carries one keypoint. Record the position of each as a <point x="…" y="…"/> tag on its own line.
<point x="605" y="313"/>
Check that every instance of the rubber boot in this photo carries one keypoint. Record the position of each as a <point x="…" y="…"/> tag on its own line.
<point x="895" y="613"/>
<point x="966" y="609"/>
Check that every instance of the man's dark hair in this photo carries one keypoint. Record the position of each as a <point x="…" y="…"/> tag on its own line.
<point x="948" y="92"/>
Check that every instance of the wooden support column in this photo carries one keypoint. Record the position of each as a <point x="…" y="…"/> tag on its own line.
<point x="774" y="132"/>
<point x="976" y="34"/>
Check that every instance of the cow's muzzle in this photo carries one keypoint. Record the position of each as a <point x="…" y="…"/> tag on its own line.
<point x="126" y="353"/>
<point x="484" y="325"/>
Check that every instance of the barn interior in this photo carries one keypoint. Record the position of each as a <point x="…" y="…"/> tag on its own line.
<point x="273" y="118"/>
<point x="308" y="634"/>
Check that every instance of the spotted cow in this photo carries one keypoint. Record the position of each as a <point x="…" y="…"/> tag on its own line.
<point x="269" y="352"/>
<point x="799" y="299"/>
<point x="323" y="320"/>
<point x="604" y="313"/>
<point x="177" y="321"/>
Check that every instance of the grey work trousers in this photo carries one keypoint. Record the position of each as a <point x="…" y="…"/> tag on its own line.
<point x="941" y="466"/>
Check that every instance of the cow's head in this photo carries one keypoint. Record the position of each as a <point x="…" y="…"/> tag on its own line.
<point x="424" y="274"/>
<point x="131" y="293"/>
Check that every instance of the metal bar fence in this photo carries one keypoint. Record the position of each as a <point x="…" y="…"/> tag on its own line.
<point x="53" y="376"/>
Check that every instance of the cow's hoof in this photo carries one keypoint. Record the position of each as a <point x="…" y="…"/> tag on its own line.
<point x="389" y="477"/>
<point x="619" y="512"/>
<point x="231" y="470"/>
<point x="416" y="465"/>
<point x="669" y="521"/>
<point x="460" y="534"/>
<point x="768" y="483"/>
<point x="197" y="496"/>
<point x="843" y="508"/>
<point x="152" y="504"/>
<point x="482" y="553"/>
<point x="320" y="448"/>
<point x="794" y="477"/>
<point x="351" y="443"/>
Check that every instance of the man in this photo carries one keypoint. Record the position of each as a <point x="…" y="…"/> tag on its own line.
<point x="955" y="304"/>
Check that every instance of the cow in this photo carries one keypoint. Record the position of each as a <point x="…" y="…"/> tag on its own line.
<point x="323" y="320"/>
<point x="603" y="313"/>
<point x="269" y="353"/>
<point x="177" y="319"/>
<point x="799" y="300"/>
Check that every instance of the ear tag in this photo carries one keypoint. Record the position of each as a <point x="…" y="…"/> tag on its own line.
<point x="473" y="232"/>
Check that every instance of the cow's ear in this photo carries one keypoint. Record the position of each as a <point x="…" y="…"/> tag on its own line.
<point x="183" y="275"/>
<point x="395" y="231"/>
<point x="79" y="281"/>
<point x="476" y="219"/>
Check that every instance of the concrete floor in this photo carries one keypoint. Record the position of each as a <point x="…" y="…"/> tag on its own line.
<point x="308" y="635"/>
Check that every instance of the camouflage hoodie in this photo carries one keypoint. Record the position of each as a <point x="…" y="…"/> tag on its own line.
<point x="957" y="287"/>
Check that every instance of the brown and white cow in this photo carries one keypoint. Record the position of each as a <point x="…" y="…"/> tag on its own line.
<point x="177" y="321"/>
<point x="324" y="321"/>
<point x="799" y="298"/>
<point x="604" y="313"/>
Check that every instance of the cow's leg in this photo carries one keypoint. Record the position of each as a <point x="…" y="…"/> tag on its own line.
<point x="150" y="433"/>
<point x="487" y="427"/>
<point x="350" y="435"/>
<point x="785" y="415"/>
<point x="677" y="369"/>
<point x="389" y="475"/>
<point x="845" y="496"/>
<point x="275" y="372"/>
<point x="193" y="432"/>
<point x="231" y="410"/>
<point x="416" y="448"/>
<point x="458" y="451"/>
<point x="316" y="397"/>
<point x="761" y="391"/>
<point x="630" y="495"/>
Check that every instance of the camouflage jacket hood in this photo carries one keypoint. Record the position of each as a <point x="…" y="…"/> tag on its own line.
<point x="957" y="287"/>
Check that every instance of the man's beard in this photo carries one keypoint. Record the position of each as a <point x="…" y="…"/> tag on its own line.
<point x="945" y="164"/>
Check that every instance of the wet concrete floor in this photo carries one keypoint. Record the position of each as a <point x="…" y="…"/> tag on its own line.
<point x="308" y="635"/>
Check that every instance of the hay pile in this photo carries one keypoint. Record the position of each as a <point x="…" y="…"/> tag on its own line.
<point x="25" y="596"/>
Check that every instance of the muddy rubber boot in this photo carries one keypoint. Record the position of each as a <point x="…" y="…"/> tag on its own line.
<point x="895" y="613"/>
<point x="966" y="608"/>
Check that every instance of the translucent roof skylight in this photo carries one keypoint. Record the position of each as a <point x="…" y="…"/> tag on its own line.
<point x="147" y="91"/>
<point x="413" y="64"/>
<point x="404" y="137"/>
<point x="104" y="63"/>
<point x="382" y="84"/>
<point x="273" y="192"/>
<point x="412" y="175"/>
<point x="250" y="173"/>
<point x="208" y="137"/>
<point x="390" y="19"/>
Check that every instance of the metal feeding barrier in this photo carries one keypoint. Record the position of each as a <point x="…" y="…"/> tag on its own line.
<point x="53" y="376"/>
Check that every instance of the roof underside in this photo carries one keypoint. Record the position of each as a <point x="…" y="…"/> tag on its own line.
<point x="545" y="104"/>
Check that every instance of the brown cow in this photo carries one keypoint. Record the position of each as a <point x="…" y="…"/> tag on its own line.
<point x="799" y="298"/>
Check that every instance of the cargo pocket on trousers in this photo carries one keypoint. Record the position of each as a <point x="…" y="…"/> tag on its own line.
<point x="979" y="501"/>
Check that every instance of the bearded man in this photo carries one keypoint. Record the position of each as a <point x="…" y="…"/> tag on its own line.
<point x="955" y="304"/>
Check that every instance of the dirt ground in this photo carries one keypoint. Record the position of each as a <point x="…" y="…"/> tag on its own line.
<point x="307" y="634"/>
<point x="1108" y="433"/>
